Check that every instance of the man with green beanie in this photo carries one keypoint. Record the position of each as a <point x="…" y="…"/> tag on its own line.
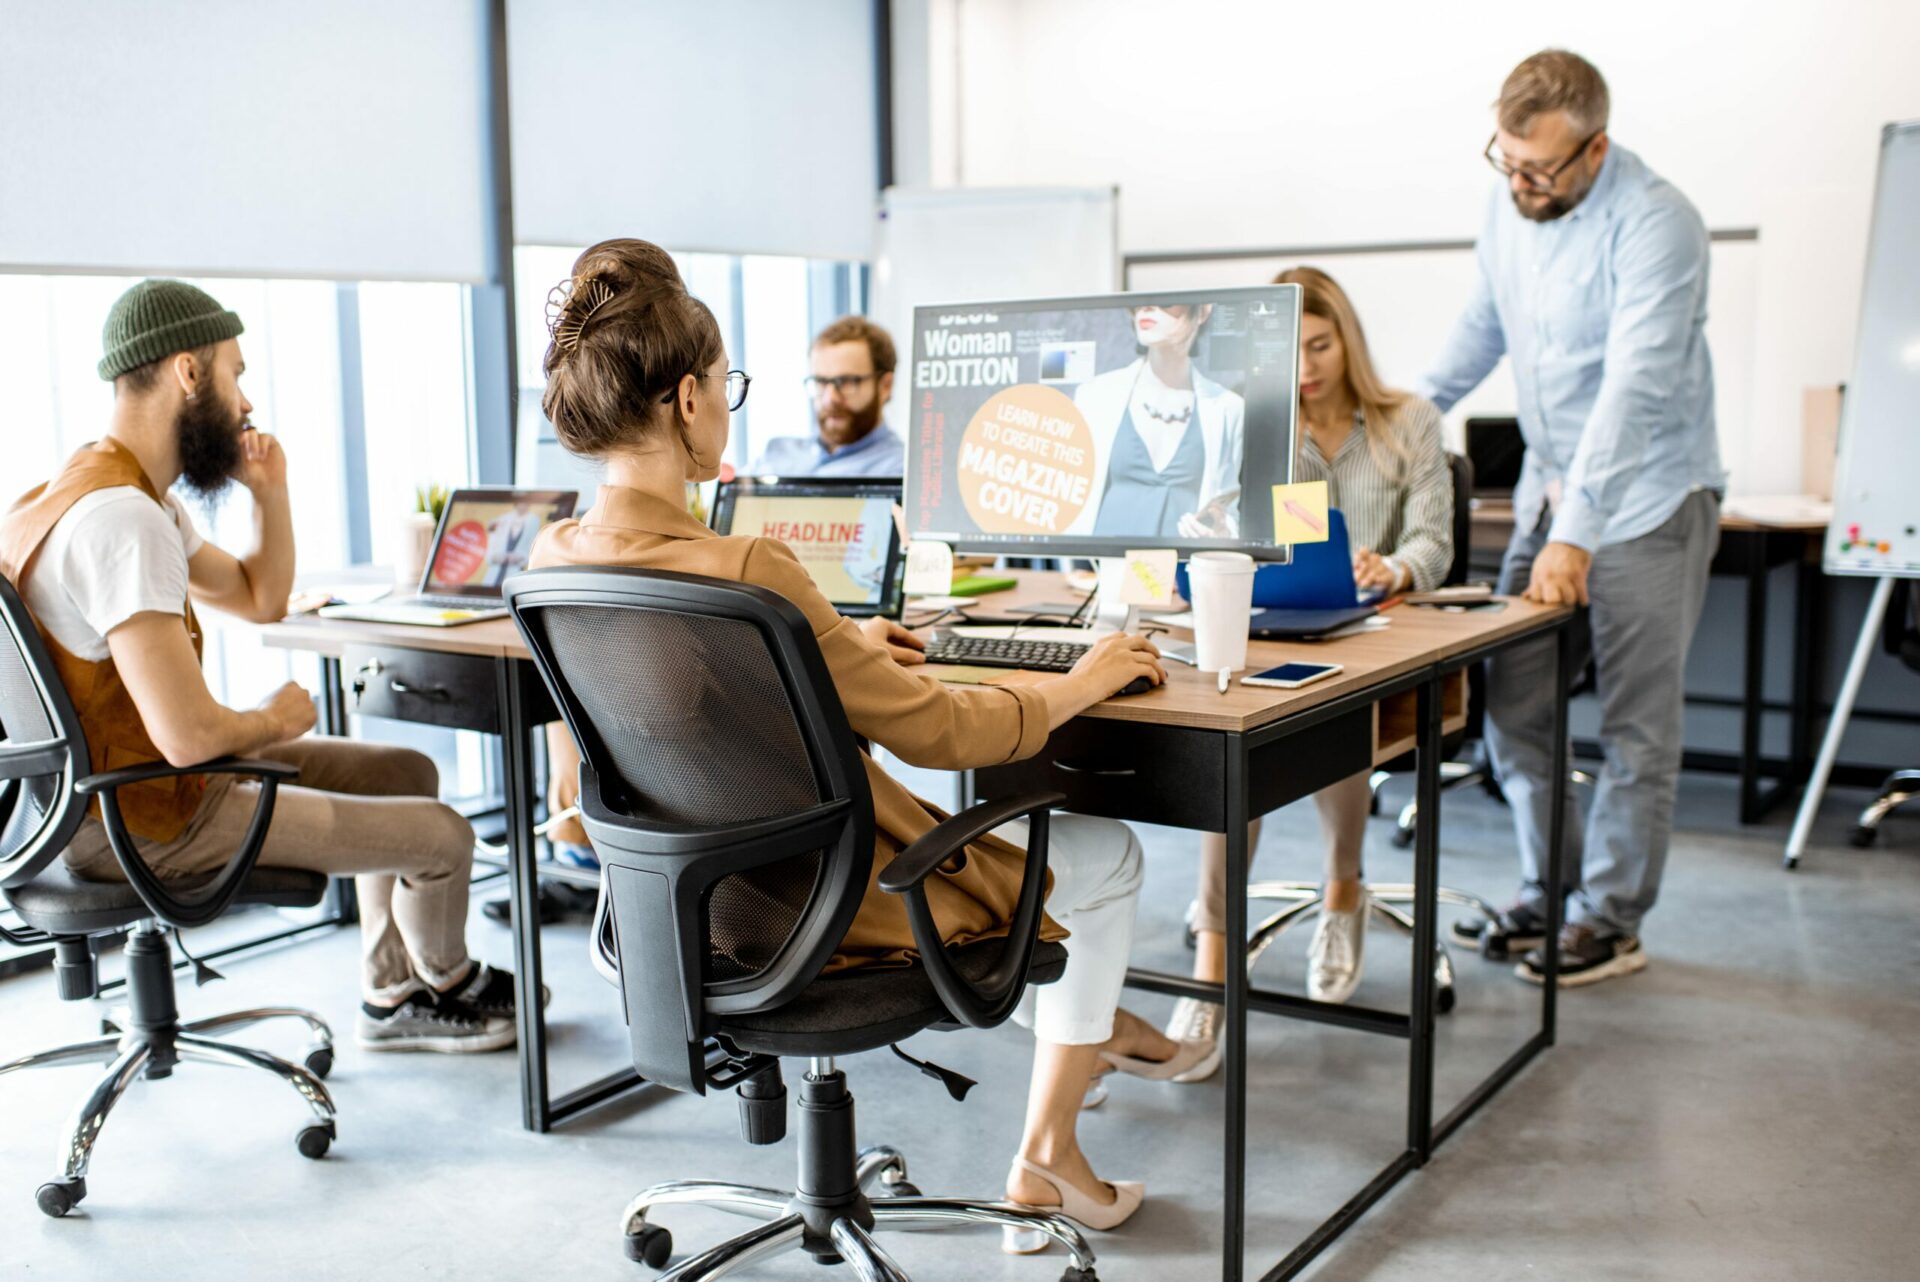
<point x="111" y="568"/>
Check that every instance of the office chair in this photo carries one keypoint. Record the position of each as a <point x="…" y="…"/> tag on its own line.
<point x="1304" y="898"/>
<point x="727" y="799"/>
<point x="45" y="786"/>
<point x="1900" y="634"/>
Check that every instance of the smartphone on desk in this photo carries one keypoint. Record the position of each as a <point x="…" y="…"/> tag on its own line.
<point x="1290" y="676"/>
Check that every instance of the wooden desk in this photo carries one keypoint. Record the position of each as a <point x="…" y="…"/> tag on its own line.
<point x="1750" y="549"/>
<point x="1184" y="755"/>
<point x="1188" y="756"/>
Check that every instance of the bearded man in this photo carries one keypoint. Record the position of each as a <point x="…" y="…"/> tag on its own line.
<point x="111" y="568"/>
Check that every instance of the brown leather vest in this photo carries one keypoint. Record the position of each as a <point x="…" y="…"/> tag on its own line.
<point x="116" y="736"/>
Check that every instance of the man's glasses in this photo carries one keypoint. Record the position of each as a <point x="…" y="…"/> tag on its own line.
<point x="1536" y="178"/>
<point x="738" y="381"/>
<point x="841" y="383"/>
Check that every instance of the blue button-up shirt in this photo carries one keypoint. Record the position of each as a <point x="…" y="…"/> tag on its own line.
<point x="880" y="452"/>
<point x="1602" y="312"/>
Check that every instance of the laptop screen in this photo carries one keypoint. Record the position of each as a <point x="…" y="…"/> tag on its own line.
<point x="486" y="535"/>
<point x="842" y="531"/>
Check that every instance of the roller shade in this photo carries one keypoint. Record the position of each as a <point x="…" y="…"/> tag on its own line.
<point x="344" y="140"/>
<point x="739" y="126"/>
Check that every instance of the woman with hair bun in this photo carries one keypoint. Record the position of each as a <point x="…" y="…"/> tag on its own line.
<point x="637" y="379"/>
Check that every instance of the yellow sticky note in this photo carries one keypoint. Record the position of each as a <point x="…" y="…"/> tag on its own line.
<point x="1149" y="577"/>
<point x="1300" y="512"/>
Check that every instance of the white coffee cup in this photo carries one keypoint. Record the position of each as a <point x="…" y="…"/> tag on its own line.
<point x="1222" y="586"/>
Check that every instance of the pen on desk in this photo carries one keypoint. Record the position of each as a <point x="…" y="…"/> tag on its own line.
<point x="1226" y="679"/>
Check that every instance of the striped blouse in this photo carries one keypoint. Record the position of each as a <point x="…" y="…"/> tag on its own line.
<point x="1406" y="516"/>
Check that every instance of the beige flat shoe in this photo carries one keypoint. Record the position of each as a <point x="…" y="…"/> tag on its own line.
<point x="1075" y="1205"/>
<point x="1190" y="1055"/>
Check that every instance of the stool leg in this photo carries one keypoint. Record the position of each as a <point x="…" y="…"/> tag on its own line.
<point x="756" y="1244"/>
<point x="93" y="1114"/>
<point x="857" y="1247"/>
<point x="310" y="1087"/>
<point x="242" y="1018"/>
<point x="100" y="1048"/>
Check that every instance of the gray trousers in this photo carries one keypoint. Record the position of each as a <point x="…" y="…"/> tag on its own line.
<point x="1646" y="596"/>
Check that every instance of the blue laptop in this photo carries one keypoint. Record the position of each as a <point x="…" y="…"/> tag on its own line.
<point x="1312" y="594"/>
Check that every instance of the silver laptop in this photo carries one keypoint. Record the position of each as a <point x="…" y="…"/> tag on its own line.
<point x="484" y="536"/>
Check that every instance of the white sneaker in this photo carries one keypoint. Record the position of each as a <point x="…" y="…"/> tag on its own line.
<point x="1333" y="959"/>
<point x="1195" y="1021"/>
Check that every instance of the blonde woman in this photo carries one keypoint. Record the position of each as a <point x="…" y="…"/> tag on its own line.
<point x="1380" y="453"/>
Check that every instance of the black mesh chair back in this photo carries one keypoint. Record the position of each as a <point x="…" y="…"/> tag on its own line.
<point x="42" y="749"/>
<point x="720" y="784"/>
<point x="1462" y="468"/>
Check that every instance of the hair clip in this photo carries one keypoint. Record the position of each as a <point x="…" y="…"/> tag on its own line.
<point x="565" y="329"/>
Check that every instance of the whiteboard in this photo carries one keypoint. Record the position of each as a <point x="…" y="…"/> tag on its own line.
<point x="991" y="244"/>
<point x="1408" y="300"/>
<point x="1876" y="482"/>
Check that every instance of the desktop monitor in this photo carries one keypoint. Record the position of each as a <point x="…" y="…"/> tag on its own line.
<point x="841" y="529"/>
<point x="1496" y="449"/>
<point x="1093" y="426"/>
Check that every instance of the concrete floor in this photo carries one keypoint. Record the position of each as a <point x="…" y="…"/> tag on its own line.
<point x="1741" y="1110"/>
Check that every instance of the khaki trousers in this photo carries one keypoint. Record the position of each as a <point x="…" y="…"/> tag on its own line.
<point x="364" y="809"/>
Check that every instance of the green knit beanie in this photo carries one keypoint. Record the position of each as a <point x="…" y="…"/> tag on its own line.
<point x="157" y="318"/>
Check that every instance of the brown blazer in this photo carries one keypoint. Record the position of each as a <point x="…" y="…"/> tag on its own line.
<point x="911" y="714"/>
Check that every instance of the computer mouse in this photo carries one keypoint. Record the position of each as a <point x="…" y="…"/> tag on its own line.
<point x="1139" y="685"/>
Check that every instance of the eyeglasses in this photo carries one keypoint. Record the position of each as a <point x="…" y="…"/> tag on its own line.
<point x="1538" y="179"/>
<point x="841" y="383"/>
<point x="738" y="381"/>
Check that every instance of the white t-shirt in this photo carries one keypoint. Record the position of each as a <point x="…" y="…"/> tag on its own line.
<point x="112" y="556"/>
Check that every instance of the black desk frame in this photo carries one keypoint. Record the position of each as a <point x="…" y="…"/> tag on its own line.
<point x="1752" y="555"/>
<point x="1237" y="753"/>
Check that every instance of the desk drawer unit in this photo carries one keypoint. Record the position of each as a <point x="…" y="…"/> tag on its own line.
<point x="1171" y="775"/>
<point x="458" y="691"/>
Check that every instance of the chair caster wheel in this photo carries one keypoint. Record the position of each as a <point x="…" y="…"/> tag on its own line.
<point x="1862" y="837"/>
<point x="1443" y="999"/>
<point x="319" y="1061"/>
<point x="903" y="1188"/>
<point x="57" y="1197"/>
<point x="651" y="1246"/>
<point x="1402" y="838"/>
<point x="314" y="1139"/>
<point x="1079" y="1275"/>
<point x="1493" y="946"/>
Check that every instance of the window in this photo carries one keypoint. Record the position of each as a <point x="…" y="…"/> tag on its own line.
<point x="768" y="308"/>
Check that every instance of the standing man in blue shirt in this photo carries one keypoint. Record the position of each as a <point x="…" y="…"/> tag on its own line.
<point x="852" y="364"/>
<point x="1593" y="282"/>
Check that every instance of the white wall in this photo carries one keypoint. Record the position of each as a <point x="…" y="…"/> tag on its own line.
<point x="1231" y="123"/>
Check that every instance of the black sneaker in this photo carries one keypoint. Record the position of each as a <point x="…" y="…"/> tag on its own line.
<point x="1516" y="928"/>
<point x="1586" y="957"/>
<point x="425" y="1021"/>
<point x="488" y="992"/>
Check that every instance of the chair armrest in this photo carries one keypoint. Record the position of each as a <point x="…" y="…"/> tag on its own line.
<point x="26" y="760"/>
<point x="212" y="900"/>
<point x="988" y="1003"/>
<point x="107" y="780"/>
<point x="951" y="835"/>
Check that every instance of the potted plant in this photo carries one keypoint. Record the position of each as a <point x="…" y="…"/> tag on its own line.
<point x="416" y="533"/>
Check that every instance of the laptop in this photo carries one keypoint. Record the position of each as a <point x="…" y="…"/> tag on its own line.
<point x="1312" y="594"/>
<point x="841" y="528"/>
<point x="484" y="535"/>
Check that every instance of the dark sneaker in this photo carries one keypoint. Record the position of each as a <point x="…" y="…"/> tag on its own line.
<point x="488" y="992"/>
<point x="428" y="1022"/>
<point x="1516" y="928"/>
<point x="1586" y="958"/>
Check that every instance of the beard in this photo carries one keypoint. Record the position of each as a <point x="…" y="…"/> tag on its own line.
<point x="1554" y="206"/>
<point x="209" y="443"/>
<point x="859" y="423"/>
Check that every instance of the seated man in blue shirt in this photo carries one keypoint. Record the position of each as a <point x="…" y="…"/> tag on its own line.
<point x="1593" y="282"/>
<point x="852" y="363"/>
